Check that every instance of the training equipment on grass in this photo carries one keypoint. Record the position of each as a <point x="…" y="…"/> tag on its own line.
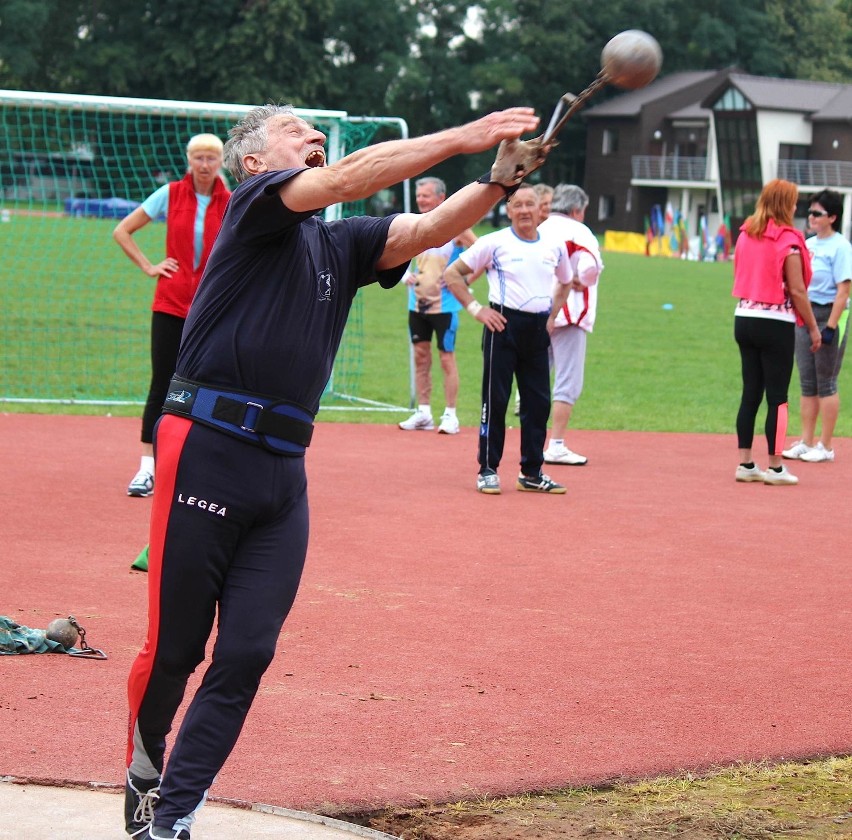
<point x="71" y="166"/>
<point x="630" y="60"/>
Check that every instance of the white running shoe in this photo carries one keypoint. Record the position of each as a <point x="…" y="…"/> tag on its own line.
<point x="418" y="422"/>
<point x="142" y="484"/>
<point x="563" y="455"/>
<point x="817" y="454"/>
<point x="449" y="425"/>
<point x="779" y="478"/>
<point x="796" y="451"/>
<point x="753" y="473"/>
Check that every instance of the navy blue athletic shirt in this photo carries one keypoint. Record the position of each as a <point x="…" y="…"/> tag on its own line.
<point x="270" y="310"/>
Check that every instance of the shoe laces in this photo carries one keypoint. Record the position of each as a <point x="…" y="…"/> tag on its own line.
<point x="144" y="812"/>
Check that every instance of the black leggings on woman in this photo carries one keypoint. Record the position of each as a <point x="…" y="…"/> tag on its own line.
<point x="165" y="342"/>
<point x="766" y="348"/>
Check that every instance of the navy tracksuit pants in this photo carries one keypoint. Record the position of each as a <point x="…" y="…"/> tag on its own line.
<point x="229" y="532"/>
<point x="520" y="351"/>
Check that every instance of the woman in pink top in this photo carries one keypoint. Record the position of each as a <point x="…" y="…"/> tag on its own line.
<point x="772" y="270"/>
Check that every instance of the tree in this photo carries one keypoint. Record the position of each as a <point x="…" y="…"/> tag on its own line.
<point x="206" y="50"/>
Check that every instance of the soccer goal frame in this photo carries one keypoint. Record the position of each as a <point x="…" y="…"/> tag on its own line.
<point x="73" y="321"/>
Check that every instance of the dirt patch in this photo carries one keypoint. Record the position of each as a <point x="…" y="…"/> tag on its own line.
<point x="750" y="802"/>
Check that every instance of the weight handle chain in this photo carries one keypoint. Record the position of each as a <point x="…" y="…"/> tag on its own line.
<point x="85" y="651"/>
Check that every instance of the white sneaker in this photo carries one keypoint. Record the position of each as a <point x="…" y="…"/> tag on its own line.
<point x="449" y="425"/>
<point x="418" y="422"/>
<point x="817" y="454"/>
<point x="753" y="473"/>
<point x="796" y="451"/>
<point x="563" y="455"/>
<point x="142" y="484"/>
<point x="783" y="477"/>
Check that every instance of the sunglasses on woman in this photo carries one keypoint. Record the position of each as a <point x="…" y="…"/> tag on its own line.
<point x="817" y="213"/>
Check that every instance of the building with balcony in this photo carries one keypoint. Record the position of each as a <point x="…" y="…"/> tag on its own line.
<point x="704" y="143"/>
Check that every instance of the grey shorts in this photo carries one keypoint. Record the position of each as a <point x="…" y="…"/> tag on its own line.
<point x="818" y="371"/>
<point x="568" y="358"/>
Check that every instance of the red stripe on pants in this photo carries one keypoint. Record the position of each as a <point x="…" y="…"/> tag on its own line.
<point x="171" y="436"/>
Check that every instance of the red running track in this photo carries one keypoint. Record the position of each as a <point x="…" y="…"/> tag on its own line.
<point x="445" y="644"/>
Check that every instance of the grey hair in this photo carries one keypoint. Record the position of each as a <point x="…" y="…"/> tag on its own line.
<point x="568" y="198"/>
<point x="437" y="183"/>
<point x="543" y="189"/>
<point x="251" y="135"/>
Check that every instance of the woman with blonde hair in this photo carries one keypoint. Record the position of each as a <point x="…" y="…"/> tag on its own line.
<point x="194" y="207"/>
<point x="772" y="270"/>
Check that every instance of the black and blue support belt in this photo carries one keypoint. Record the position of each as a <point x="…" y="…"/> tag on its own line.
<point x="274" y="424"/>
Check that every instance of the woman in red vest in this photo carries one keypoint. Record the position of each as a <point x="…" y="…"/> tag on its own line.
<point x="193" y="207"/>
<point x="772" y="270"/>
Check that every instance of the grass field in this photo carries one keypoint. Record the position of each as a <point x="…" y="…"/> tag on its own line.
<point x="82" y="311"/>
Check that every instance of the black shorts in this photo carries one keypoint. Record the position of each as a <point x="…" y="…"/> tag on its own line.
<point x="444" y="325"/>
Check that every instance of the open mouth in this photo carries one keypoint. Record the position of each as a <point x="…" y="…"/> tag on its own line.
<point x="315" y="158"/>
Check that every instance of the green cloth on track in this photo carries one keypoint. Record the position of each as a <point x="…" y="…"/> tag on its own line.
<point x="15" y="638"/>
<point x="141" y="562"/>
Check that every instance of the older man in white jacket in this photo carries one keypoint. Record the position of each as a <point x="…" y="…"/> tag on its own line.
<point x="577" y="316"/>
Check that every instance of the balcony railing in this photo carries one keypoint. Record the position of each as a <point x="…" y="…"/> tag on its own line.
<point x="821" y="173"/>
<point x="669" y="168"/>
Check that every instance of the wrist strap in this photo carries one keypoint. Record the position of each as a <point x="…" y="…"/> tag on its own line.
<point x="486" y="179"/>
<point x="474" y="307"/>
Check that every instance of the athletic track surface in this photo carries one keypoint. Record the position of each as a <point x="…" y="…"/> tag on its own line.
<point x="445" y="644"/>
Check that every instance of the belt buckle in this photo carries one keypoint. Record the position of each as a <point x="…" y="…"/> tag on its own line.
<point x="259" y="409"/>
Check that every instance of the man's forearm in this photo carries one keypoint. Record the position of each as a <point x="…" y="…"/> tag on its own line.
<point x="463" y="209"/>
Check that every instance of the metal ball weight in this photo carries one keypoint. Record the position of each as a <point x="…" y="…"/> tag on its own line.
<point x="631" y="59"/>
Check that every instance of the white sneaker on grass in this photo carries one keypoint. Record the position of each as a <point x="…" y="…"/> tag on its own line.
<point x="817" y="454"/>
<point x="418" y="422"/>
<point x="796" y="451"/>
<point x="779" y="477"/>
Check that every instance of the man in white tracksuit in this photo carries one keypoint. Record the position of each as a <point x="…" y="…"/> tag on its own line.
<point x="576" y="318"/>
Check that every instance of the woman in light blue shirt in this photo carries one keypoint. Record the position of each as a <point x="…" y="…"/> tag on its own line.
<point x="831" y="258"/>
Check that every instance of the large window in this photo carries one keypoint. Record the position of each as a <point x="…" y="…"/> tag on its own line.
<point x="610" y="141"/>
<point x="739" y="153"/>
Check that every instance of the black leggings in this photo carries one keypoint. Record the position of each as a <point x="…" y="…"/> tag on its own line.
<point x="766" y="349"/>
<point x="165" y="342"/>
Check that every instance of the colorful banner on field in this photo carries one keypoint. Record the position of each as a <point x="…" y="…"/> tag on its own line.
<point x="636" y="243"/>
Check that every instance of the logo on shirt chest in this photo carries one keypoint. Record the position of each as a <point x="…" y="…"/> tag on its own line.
<point x="325" y="285"/>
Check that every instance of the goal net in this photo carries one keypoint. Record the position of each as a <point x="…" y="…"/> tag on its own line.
<point x="74" y="312"/>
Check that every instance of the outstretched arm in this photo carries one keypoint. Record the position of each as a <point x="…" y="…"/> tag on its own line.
<point x="411" y="234"/>
<point x="369" y="170"/>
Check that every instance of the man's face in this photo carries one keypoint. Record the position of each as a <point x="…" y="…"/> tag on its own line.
<point x="522" y="209"/>
<point x="291" y="143"/>
<point x="426" y="198"/>
<point x="544" y="205"/>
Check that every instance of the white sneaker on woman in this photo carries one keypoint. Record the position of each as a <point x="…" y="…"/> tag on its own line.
<point x="818" y="454"/>
<point x="796" y="451"/>
<point x="784" y="476"/>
